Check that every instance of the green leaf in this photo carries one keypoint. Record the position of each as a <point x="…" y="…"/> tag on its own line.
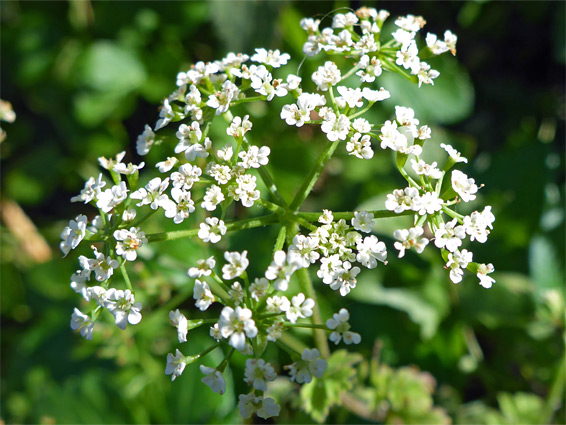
<point x="318" y="396"/>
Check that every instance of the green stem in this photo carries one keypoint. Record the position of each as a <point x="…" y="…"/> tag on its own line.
<point x="363" y="111"/>
<point x="307" y="325"/>
<point x="140" y="220"/>
<point x="313" y="176"/>
<point x="555" y="395"/>
<point x="248" y="223"/>
<point x="126" y="277"/>
<point x="313" y="216"/>
<point x="280" y="239"/>
<point x="319" y="336"/>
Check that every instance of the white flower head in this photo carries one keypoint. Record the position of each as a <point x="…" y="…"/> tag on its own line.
<point x="237" y="264"/>
<point x="464" y="186"/>
<point x="237" y="324"/>
<point x="175" y="364"/>
<point x="214" y="379"/>
<point x="310" y="365"/>
<point x="128" y="242"/>
<point x="73" y="234"/>
<point x="341" y="328"/>
<point x="212" y="230"/>
<point x="123" y="306"/>
<point x="83" y="323"/>
<point x="204" y="268"/>
<point x="258" y="373"/>
<point x="179" y="320"/>
<point x="410" y="238"/>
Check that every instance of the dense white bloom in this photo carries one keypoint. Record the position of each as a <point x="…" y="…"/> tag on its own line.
<point x="353" y="97"/>
<point x="258" y="372"/>
<point x="91" y="190"/>
<point x="403" y="37"/>
<point x="457" y="261"/>
<point x="246" y="191"/>
<point x="277" y="304"/>
<point x="214" y="379"/>
<point x="175" y="364"/>
<point x="190" y="141"/>
<point x="212" y="198"/>
<point x="363" y="221"/>
<point x="370" y="251"/>
<point x="336" y="128"/>
<point x="410" y="22"/>
<point x="179" y="320"/>
<point x="410" y="238"/>
<point x="375" y="95"/>
<point x="263" y="83"/>
<point x="123" y="306"/>
<point x="464" y="186"/>
<point x="83" y="323"/>
<point x="310" y="365"/>
<point x="344" y="20"/>
<point x="237" y="324"/>
<point x="180" y="207"/>
<point x="204" y="268"/>
<point x="344" y="279"/>
<point x="102" y="266"/>
<point x="339" y="324"/>
<point x="73" y="234"/>
<point x="300" y="308"/>
<point x="408" y="57"/>
<point x="112" y="197"/>
<point x="212" y="230"/>
<point x="449" y="235"/>
<point x="128" y="242"/>
<point x="152" y="194"/>
<point x="282" y="267"/>
<point x="237" y="264"/>
<point x="370" y="69"/>
<point x="326" y="76"/>
<point x="272" y="58"/>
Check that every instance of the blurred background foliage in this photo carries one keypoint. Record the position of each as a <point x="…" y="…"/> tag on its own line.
<point x="84" y="77"/>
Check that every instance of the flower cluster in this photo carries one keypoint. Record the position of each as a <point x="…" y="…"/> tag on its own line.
<point x="204" y="180"/>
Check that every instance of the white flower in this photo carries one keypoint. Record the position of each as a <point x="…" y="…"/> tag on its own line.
<point x="306" y="247"/>
<point x="410" y="22"/>
<point x="152" y="194"/>
<point x="255" y="157"/>
<point x="450" y="39"/>
<point x="409" y="239"/>
<point x="300" y="308"/>
<point x="129" y="215"/>
<point x="73" y="234"/>
<point x="375" y="95"/>
<point x="214" y="379"/>
<point x="403" y="37"/>
<point x="175" y="364"/>
<point x="449" y="235"/>
<point x="236" y="324"/>
<point x="167" y="165"/>
<point x="203" y="295"/>
<point x="335" y="127"/>
<point x="360" y="146"/>
<point x="102" y="266"/>
<point x="422" y="168"/>
<point x="310" y="365"/>
<point x="277" y="304"/>
<point x="264" y="407"/>
<point x="477" y="224"/>
<point x="186" y="177"/>
<point x="212" y="230"/>
<point x="402" y="199"/>
<point x="258" y="288"/>
<point x="237" y="264"/>
<point x="258" y="372"/>
<point x="239" y="127"/>
<point x="435" y="45"/>
<point x="204" y="268"/>
<point x="482" y="274"/>
<point x="275" y="331"/>
<point x="370" y="69"/>
<point x="128" y="242"/>
<point x="123" y="306"/>
<point x="225" y="153"/>
<point x="91" y="190"/>
<point x="112" y="197"/>
<point x="326" y="76"/>
<point x="179" y="320"/>
<point x="408" y="57"/>
<point x="344" y="278"/>
<point x="353" y="97"/>
<point x="363" y="221"/>
<point x="464" y="186"/>
<point x="83" y="323"/>
<point x="263" y="83"/>
<point x="181" y="208"/>
<point x="110" y="164"/>
<point x="457" y="261"/>
<point x="429" y="203"/>
<point x="246" y="191"/>
<point x="282" y="267"/>
<point x="426" y="75"/>
<point x="166" y="114"/>
<point x="272" y="58"/>
<point x="221" y="99"/>
<point x="339" y="324"/>
<point x="212" y="198"/>
<point x="454" y="154"/>
<point x="344" y="20"/>
<point x="236" y="293"/>
<point x="370" y="251"/>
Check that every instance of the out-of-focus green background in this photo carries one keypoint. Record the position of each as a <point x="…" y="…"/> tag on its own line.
<point x="84" y="77"/>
